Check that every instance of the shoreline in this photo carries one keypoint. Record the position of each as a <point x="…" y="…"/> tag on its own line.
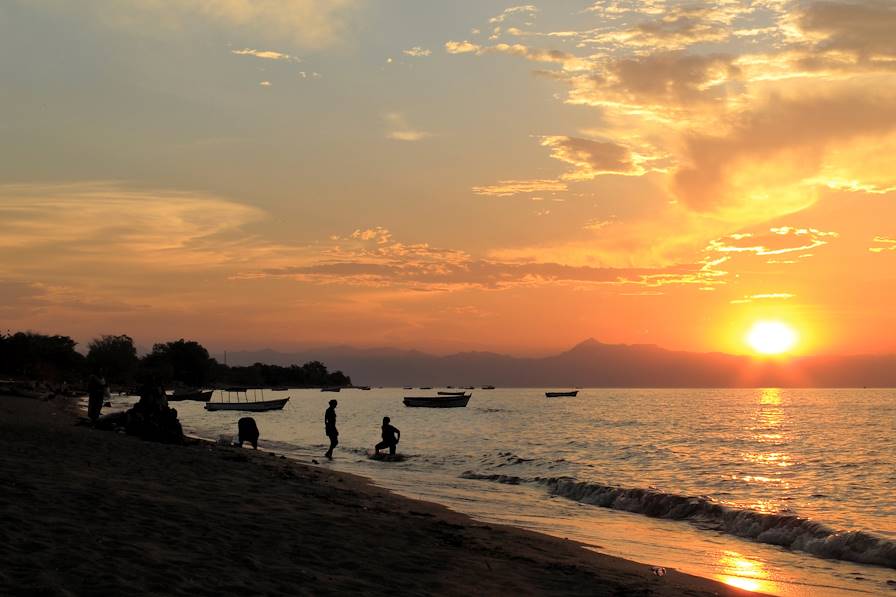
<point x="94" y="512"/>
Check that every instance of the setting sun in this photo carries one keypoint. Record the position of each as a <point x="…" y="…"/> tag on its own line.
<point x="771" y="337"/>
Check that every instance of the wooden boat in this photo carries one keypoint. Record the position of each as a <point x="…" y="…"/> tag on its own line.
<point x="558" y="394"/>
<point x="195" y="395"/>
<point x="451" y="393"/>
<point x="425" y="387"/>
<point x="437" y="401"/>
<point x="488" y="387"/>
<point x="330" y="389"/>
<point x="238" y="399"/>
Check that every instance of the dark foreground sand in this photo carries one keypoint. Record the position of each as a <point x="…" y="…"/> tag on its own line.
<point x="87" y="512"/>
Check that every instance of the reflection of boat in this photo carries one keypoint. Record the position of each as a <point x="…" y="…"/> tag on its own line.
<point x="451" y="393"/>
<point x="197" y="395"/>
<point x="437" y="401"/>
<point x="238" y="399"/>
<point x="488" y="387"/>
<point x="558" y="394"/>
<point x="330" y="389"/>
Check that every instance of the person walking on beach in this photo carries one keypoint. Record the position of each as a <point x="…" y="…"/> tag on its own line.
<point x="96" y="393"/>
<point x="330" y="428"/>
<point x="391" y="437"/>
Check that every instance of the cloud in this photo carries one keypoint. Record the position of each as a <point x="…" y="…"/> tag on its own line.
<point x="506" y="188"/>
<point x="780" y="240"/>
<point x="763" y="297"/>
<point x="528" y="10"/>
<point x="885" y="244"/>
<point x="306" y="23"/>
<point x="861" y="28"/>
<point x="417" y="52"/>
<point x="775" y="150"/>
<point x="400" y="130"/>
<point x="97" y="223"/>
<point x="265" y="54"/>
<point x="567" y="60"/>
<point x="590" y="158"/>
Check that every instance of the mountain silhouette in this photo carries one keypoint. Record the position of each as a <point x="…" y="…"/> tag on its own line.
<point x="588" y="364"/>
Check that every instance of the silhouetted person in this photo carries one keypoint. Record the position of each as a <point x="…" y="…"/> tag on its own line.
<point x="391" y="437"/>
<point x="248" y="431"/>
<point x="96" y="393"/>
<point x="330" y="428"/>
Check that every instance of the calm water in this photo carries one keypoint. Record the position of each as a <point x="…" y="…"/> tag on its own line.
<point x="784" y="491"/>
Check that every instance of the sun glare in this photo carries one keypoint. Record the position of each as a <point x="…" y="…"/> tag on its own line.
<point x="771" y="337"/>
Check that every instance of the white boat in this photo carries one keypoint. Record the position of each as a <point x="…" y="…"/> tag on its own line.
<point x="238" y="399"/>
<point x="438" y="401"/>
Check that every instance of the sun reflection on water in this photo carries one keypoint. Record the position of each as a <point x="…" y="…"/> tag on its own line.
<point x="743" y="573"/>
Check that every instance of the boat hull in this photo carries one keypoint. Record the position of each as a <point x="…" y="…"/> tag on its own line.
<point x="559" y="394"/>
<point x="258" y="406"/>
<point x="200" y="396"/>
<point x="437" y="401"/>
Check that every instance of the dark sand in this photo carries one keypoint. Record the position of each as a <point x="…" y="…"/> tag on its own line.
<point x="88" y="512"/>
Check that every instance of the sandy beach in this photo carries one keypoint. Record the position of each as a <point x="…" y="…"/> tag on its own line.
<point x="88" y="512"/>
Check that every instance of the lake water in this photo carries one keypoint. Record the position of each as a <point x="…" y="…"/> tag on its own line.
<point x="789" y="492"/>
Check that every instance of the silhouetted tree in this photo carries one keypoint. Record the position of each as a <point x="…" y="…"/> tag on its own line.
<point x="182" y="360"/>
<point x="38" y="356"/>
<point x="115" y="355"/>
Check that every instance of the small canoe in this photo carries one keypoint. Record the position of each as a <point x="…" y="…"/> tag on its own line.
<point x="195" y="395"/>
<point x="559" y="394"/>
<point x="254" y="406"/>
<point x="438" y="401"/>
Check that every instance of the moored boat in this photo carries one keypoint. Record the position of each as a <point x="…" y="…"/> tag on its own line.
<point x="559" y="394"/>
<point x="195" y="395"/>
<point x="330" y="389"/>
<point x="488" y="387"/>
<point x="238" y="399"/>
<point x="438" y="401"/>
<point x="450" y="393"/>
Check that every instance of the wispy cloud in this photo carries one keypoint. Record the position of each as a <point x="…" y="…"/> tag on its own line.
<point x="417" y="52"/>
<point x="884" y="244"/>
<point x="266" y="54"/>
<point x="506" y="188"/>
<point x="401" y="130"/>
<point x="780" y="240"/>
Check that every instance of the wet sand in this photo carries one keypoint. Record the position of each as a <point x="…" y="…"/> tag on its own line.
<point x="88" y="512"/>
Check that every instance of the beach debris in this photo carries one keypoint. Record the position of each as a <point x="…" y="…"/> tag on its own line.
<point x="658" y="570"/>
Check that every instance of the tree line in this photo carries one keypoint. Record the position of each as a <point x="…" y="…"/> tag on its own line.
<point x="30" y="355"/>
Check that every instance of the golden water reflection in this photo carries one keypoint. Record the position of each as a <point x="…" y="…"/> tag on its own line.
<point x="744" y="573"/>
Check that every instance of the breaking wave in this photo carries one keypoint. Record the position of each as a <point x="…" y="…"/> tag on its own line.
<point x="785" y="530"/>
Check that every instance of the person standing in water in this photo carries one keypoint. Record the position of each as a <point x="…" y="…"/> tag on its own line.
<point x="96" y="394"/>
<point x="330" y="428"/>
<point x="391" y="437"/>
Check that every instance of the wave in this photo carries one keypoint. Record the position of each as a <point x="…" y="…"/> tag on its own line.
<point x="785" y="530"/>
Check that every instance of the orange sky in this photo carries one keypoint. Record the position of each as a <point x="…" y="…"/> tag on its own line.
<point x="463" y="176"/>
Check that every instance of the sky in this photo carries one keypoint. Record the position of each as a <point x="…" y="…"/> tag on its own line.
<point x="469" y="175"/>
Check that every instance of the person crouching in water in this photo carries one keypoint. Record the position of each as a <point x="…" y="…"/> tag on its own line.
<point x="330" y="428"/>
<point x="391" y="437"/>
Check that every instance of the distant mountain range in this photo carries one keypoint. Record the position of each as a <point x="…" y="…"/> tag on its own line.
<point x="588" y="364"/>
